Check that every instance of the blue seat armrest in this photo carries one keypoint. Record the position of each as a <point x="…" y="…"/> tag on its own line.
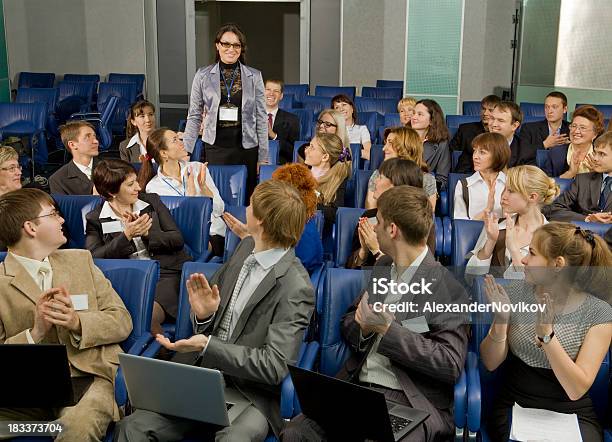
<point x="216" y="259"/>
<point x="444" y="203"/>
<point x="460" y="400"/>
<point x="307" y="359"/>
<point x="205" y="257"/>
<point x="447" y="226"/>
<point x="86" y="115"/>
<point x="140" y="344"/>
<point x="307" y="362"/>
<point x="473" y="393"/>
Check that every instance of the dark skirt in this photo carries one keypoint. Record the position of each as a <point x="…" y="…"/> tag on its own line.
<point x="167" y="292"/>
<point x="216" y="155"/>
<point x="532" y="387"/>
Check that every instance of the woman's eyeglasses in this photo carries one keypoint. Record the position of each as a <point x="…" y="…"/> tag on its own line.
<point x="326" y="124"/>
<point x="227" y="45"/>
<point x="12" y="169"/>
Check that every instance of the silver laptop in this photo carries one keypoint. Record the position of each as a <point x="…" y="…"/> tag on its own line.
<point x="180" y="390"/>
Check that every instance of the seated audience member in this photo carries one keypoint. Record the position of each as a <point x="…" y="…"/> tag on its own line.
<point x="608" y="237"/>
<point x="551" y="359"/>
<point x="282" y="125"/>
<point x="10" y="170"/>
<point x="391" y="173"/>
<point x="482" y="191"/>
<point x="589" y="197"/>
<point x="569" y="161"/>
<point x="358" y="133"/>
<point x="412" y="368"/>
<point x="428" y="121"/>
<point x="177" y="177"/>
<point x="140" y="123"/>
<point x="330" y="164"/>
<point x="505" y="120"/>
<point x="309" y="248"/>
<point x="468" y="131"/>
<point x="405" y="108"/>
<point x="553" y="131"/>
<point x="330" y="122"/>
<point x="74" y="177"/>
<point x="133" y="225"/>
<point x="250" y="340"/>
<point x="36" y="284"/>
<point x="502" y="244"/>
<point x="403" y="142"/>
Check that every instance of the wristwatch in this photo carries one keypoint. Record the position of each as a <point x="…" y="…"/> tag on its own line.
<point x="546" y="339"/>
<point x="378" y="254"/>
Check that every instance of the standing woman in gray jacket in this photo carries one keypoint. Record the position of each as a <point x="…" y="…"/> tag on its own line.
<point x="229" y="97"/>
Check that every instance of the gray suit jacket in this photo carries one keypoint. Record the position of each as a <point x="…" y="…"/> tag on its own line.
<point x="69" y="180"/>
<point x="580" y="200"/>
<point x="205" y="99"/>
<point x="269" y="331"/>
<point x="130" y="154"/>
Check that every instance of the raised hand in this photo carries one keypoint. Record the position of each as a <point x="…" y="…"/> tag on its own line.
<point x="235" y="225"/>
<point x="555" y="140"/>
<point x="491" y="225"/>
<point x="589" y="162"/>
<point x="512" y="234"/>
<point x="371" y="321"/>
<point x="191" y="187"/>
<point x="203" y="298"/>
<point x="195" y="343"/>
<point x="204" y="190"/>
<point x="138" y="226"/>
<point x="369" y="236"/>
<point x="495" y="293"/>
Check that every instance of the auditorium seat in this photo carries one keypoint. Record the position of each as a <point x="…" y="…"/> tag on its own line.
<point x="471" y="108"/>
<point x="377" y="156"/>
<point x="126" y="93"/>
<point x="346" y="221"/>
<point x="372" y="120"/>
<point x="464" y="236"/>
<point x="315" y="103"/>
<point x="231" y="182"/>
<point x="266" y="171"/>
<point x="74" y="208"/>
<point x="390" y="83"/>
<point x="541" y="157"/>
<point x="331" y="91"/>
<point x="137" y="79"/>
<point x="298" y="91"/>
<point x="533" y="109"/>
<point x="273" y="149"/>
<point x="306" y="117"/>
<point x="26" y="120"/>
<point x="454" y="121"/>
<point x="564" y="183"/>
<point x="381" y="105"/>
<point x="394" y="93"/>
<point x="36" y="79"/>
<point x="287" y="102"/>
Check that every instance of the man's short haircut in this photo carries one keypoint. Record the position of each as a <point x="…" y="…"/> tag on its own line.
<point x="281" y="83"/>
<point x="16" y="208"/>
<point x="592" y="114"/>
<point x="7" y="153"/>
<point x="513" y="108"/>
<point x="71" y="130"/>
<point x="109" y="175"/>
<point x="604" y="141"/>
<point x="410" y="210"/>
<point x="557" y="94"/>
<point x="281" y="210"/>
<point x="490" y="99"/>
<point x="497" y="146"/>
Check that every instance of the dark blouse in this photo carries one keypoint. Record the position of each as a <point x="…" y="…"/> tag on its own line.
<point x="229" y="133"/>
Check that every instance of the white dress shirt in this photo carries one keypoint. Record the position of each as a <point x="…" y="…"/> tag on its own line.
<point x="358" y="134"/>
<point x="478" y="194"/>
<point x="136" y="140"/>
<point x="141" y="249"/>
<point x="165" y="185"/>
<point x="85" y="169"/>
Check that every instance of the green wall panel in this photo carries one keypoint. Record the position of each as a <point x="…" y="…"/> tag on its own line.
<point x="5" y="87"/>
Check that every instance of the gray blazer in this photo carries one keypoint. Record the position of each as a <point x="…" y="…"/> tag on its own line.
<point x="269" y="331"/>
<point x="205" y="99"/>
<point x="130" y="154"/>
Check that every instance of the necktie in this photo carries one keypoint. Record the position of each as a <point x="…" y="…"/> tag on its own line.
<point x="224" y="326"/>
<point x="43" y="272"/>
<point x="270" y="120"/>
<point x="605" y="193"/>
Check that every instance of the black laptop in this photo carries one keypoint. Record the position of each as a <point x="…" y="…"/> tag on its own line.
<point x="38" y="376"/>
<point x="352" y="412"/>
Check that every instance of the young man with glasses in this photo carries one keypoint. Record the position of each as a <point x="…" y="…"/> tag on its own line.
<point x="38" y="284"/>
<point x="283" y="126"/>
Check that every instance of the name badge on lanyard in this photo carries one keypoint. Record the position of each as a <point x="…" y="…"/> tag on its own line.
<point x="228" y="111"/>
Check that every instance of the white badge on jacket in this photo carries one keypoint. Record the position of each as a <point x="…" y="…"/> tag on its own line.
<point x="228" y="112"/>
<point x="79" y="302"/>
<point x="416" y="325"/>
<point x="112" y="227"/>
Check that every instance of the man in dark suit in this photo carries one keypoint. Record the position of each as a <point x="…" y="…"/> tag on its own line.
<point x="505" y="119"/>
<point x="468" y="131"/>
<point x="589" y="198"/>
<point x="74" y="177"/>
<point x="282" y="126"/>
<point x="248" y="322"/>
<point x="413" y="357"/>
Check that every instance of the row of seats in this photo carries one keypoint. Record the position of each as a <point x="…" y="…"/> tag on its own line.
<point x="47" y="79"/>
<point x="532" y="109"/>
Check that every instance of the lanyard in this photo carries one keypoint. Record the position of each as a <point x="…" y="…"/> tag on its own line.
<point x="174" y="188"/>
<point x="229" y="88"/>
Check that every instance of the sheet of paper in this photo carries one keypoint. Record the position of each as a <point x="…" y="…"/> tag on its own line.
<point x="534" y="424"/>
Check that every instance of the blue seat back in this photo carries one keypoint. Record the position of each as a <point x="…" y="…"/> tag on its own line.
<point x="331" y="91"/>
<point x="22" y="118"/>
<point x="2" y="256"/>
<point x="126" y="93"/>
<point x="298" y="91"/>
<point x="377" y="156"/>
<point x="192" y="216"/>
<point x="184" y="328"/>
<point x="346" y="221"/>
<point x="465" y="234"/>
<point x="83" y="90"/>
<point x="390" y="83"/>
<point x="381" y="105"/>
<point x="453" y="178"/>
<point x="530" y="119"/>
<point x="320" y="222"/>
<point x="454" y="121"/>
<point x="361" y="178"/>
<point x="287" y="102"/>
<point x="471" y="108"/>
<point x="137" y="79"/>
<point x="306" y="121"/>
<point x="74" y="208"/>
<point x="533" y="109"/>
<point x="392" y="119"/>
<point x="564" y="183"/>
<point x="266" y="171"/>
<point x="315" y="103"/>
<point x="340" y="290"/>
<point x="597" y="228"/>
<point x="371" y="120"/>
<point x="38" y="95"/>
<point x="95" y="78"/>
<point x="36" y="79"/>
<point x="296" y="147"/>
<point x="135" y="281"/>
<point x="273" y="149"/>
<point x="232" y="240"/>
<point x="455" y="158"/>
<point x="541" y="157"/>
<point x="394" y="93"/>
<point x="231" y="182"/>
<point x="605" y="109"/>
<point x="198" y="147"/>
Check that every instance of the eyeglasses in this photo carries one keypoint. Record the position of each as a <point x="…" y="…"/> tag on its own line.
<point x="11" y="169"/>
<point x="326" y="124"/>
<point x="54" y="213"/>
<point x="577" y="128"/>
<point x="227" y="45"/>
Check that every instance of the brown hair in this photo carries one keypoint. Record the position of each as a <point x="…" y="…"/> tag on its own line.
<point x="528" y="179"/>
<point x="234" y="28"/>
<point x="410" y="210"/>
<point x="593" y="115"/>
<point x="402" y="172"/>
<point x="109" y="175"/>
<point x="587" y="255"/>
<point x="437" y="130"/>
<point x="513" y="109"/>
<point x="605" y="140"/>
<point x="300" y="177"/>
<point x="342" y="98"/>
<point x="557" y="94"/>
<point x="156" y="141"/>
<point x="281" y="83"/>
<point x="7" y="153"/>
<point x="280" y="208"/>
<point x="490" y="99"/>
<point x="340" y="162"/>
<point x="71" y="130"/>
<point x="136" y="110"/>
<point x="407" y="144"/>
<point x="16" y="208"/>
<point x="497" y="146"/>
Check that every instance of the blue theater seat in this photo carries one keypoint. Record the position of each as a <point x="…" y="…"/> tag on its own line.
<point x="299" y="91"/>
<point x="315" y="103"/>
<point x="306" y="117"/>
<point x="266" y="171"/>
<point x="273" y="148"/>
<point x="533" y="110"/>
<point x="137" y="79"/>
<point x="464" y="236"/>
<point x="231" y="182"/>
<point x="74" y="208"/>
<point x="454" y="121"/>
<point x="541" y="157"/>
<point x="346" y="221"/>
<point x="471" y="108"/>
<point x="390" y="83"/>
<point x="331" y="91"/>
<point x="394" y="93"/>
<point x="26" y="120"/>
<point x="381" y="105"/>
<point x="36" y="79"/>
<point x="377" y="156"/>
<point x="126" y="93"/>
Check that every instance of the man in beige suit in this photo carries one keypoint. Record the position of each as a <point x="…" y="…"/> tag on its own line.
<point x="36" y="284"/>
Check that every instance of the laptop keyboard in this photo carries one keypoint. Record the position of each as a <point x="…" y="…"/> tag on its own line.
<point x="398" y="423"/>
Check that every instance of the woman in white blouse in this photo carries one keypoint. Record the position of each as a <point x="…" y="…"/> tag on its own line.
<point x="503" y="243"/>
<point x="482" y="191"/>
<point x="358" y="133"/>
<point x="177" y="177"/>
